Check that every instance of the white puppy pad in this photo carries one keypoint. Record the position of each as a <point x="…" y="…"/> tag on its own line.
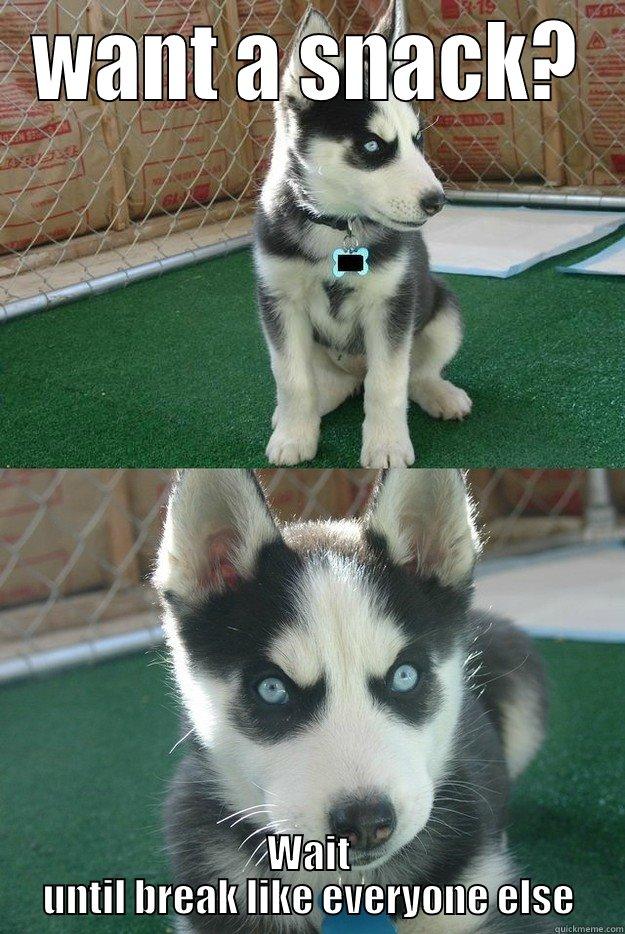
<point x="501" y="241"/>
<point x="571" y="594"/>
<point x="608" y="262"/>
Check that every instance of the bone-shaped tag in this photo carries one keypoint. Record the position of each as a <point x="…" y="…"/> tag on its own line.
<point x="362" y="923"/>
<point x="350" y="261"/>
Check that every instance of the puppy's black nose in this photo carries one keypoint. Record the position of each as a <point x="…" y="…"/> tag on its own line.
<point x="432" y="202"/>
<point x="366" y="822"/>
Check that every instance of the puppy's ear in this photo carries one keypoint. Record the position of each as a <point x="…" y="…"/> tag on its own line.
<point x="217" y="522"/>
<point x="393" y="23"/>
<point x="426" y="519"/>
<point x="313" y="23"/>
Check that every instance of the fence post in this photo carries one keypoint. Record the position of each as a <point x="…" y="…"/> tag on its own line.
<point x="600" y="514"/>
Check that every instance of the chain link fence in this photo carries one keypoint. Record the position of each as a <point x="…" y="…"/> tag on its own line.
<point x="95" y="195"/>
<point x="77" y="546"/>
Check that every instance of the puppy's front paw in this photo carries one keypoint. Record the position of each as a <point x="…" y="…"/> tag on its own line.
<point x="386" y="448"/>
<point x="440" y="398"/>
<point x="290" y="445"/>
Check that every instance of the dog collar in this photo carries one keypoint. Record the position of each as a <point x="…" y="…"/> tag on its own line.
<point x="336" y="223"/>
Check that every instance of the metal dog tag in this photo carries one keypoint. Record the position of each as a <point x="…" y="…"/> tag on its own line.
<point x="354" y="260"/>
<point x="351" y="258"/>
<point x="362" y="923"/>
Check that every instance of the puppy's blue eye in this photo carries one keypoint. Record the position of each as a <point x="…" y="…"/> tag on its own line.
<point x="371" y="145"/>
<point x="405" y="678"/>
<point x="272" y="691"/>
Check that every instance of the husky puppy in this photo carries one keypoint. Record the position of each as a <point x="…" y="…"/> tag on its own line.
<point x="336" y="680"/>
<point x="395" y="327"/>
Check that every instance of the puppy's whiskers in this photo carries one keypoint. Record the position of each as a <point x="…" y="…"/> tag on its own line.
<point x="180" y="741"/>
<point x="272" y="826"/>
<point x="263" y="843"/>
<point x="248" y="811"/>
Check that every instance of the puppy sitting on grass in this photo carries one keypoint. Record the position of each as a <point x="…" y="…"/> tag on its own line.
<point x="345" y="173"/>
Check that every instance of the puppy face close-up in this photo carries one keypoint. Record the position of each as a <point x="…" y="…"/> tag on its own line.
<point x="361" y="158"/>
<point x="299" y="650"/>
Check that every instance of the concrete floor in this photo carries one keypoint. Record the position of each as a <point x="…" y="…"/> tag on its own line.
<point x="573" y="593"/>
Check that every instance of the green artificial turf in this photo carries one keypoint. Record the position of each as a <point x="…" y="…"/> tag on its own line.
<point x="85" y="761"/>
<point x="173" y="371"/>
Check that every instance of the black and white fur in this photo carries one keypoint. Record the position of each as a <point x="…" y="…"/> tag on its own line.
<point x="332" y="608"/>
<point x="395" y="328"/>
